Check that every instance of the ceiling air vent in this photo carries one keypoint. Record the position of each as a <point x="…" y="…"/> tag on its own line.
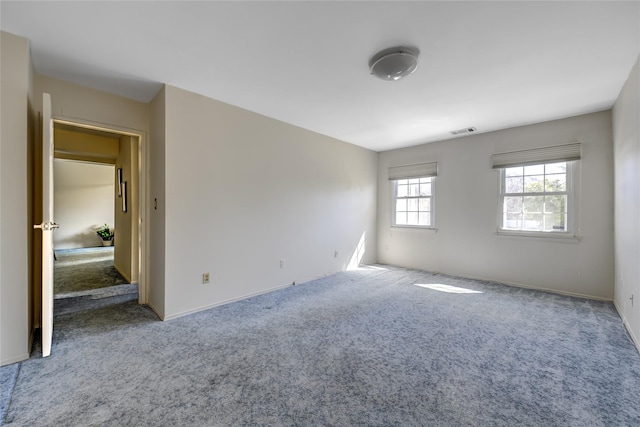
<point x="463" y="131"/>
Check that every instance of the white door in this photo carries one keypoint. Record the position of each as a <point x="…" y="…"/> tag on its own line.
<point x="47" y="226"/>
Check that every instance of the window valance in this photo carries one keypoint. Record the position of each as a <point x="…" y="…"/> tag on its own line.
<point x="536" y="156"/>
<point x="413" y="171"/>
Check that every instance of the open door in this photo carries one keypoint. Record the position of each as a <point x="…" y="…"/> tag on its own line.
<point x="47" y="226"/>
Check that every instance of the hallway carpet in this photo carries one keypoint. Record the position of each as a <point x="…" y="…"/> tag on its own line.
<point x="84" y="269"/>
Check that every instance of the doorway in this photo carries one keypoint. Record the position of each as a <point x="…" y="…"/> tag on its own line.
<point x="99" y="170"/>
<point x="85" y="273"/>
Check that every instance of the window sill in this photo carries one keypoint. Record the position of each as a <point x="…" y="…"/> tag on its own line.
<point x="540" y="236"/>
<point x="416" y="227"/>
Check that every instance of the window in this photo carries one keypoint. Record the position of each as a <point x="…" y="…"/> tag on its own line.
<point x="413" y="202"/>
<point x="536" y="198"/>
<point x="412" y="197"/>
<point x="537" y="189"/>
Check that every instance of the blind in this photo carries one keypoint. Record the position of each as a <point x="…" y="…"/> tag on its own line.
<point x="413" y="171"/>
<point x="556" y="153"/>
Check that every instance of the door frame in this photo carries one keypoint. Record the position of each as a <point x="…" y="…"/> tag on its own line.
<point x="143" y="177"/>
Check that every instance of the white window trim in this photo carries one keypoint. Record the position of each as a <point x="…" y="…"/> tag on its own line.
<point x="539" y="236"/>
<point x="432" y="204"/>
<point x="573" y="201"/>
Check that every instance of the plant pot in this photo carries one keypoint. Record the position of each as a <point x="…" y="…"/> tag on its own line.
<point x="107" y="242"/>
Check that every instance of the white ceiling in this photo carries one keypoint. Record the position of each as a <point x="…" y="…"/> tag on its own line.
<point x="491" y="65"/>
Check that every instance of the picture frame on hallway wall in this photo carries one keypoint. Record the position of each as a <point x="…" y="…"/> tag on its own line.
<point x="124" y="196"/>
<point x="119" y="173"/>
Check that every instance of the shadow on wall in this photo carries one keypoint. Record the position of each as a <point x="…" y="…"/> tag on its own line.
<point x="358" y="253"/>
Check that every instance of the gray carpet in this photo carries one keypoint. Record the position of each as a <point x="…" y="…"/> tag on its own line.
<point x="373" y="347"/>
<point x="85" y="279"/>
<point x="94" y="299"/>
<point x="8" y="378"/>
<point x="77" y="270"/>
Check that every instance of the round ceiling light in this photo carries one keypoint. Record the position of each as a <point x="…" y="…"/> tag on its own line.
<point x="394" y="63"/>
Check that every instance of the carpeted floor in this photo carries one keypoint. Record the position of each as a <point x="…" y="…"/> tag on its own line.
<point x="86" y="279"/>
<point x="8" y="378"/>
<point x="374" y="347"/>
<point x="84" y="269"/>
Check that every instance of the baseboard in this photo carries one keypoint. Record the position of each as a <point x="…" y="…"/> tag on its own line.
<point x="229" y="301"/>
<point x="552" y="291"/>
<point x="518" y="285"/>
<point x="126" y="276"/>
<point x="240" y="298"/>
<point x="156" y="311"/>
<point x="14" y="359"/>
<point x="20" y="358"/>
<point x="627" y="326"/>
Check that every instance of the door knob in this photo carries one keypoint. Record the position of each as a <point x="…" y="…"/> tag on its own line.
<point x="47" y="226"/>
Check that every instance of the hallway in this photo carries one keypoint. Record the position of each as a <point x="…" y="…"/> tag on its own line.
<point x="86" y="279"/>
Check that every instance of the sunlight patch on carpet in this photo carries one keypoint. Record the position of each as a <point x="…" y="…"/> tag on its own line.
<point x="447" y="288"/>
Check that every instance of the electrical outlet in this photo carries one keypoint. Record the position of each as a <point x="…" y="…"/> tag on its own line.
<point x="335" y="254"/>
<point x="631" y="300"/>
<point x="281" y="263"/>
<point x="206" y="277"/>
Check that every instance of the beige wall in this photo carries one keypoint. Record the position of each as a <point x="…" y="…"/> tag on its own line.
<point x="466" y="203"/>
<point x="80" y="104"/>
<point x="626" y="140"/>
<point x="126" y="222"/>
<point x="244" y="191"/>
<point x="74" y="145"/>
<point x="83" y="201"/>
<point x="134" y="203"/>
<point x="15" y="88"/>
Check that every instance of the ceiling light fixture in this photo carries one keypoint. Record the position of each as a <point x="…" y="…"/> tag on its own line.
<point x="465" y="130"/>
<point x="394" y="63"/>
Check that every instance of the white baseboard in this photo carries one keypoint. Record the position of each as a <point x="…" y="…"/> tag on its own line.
<point x="627" y="326"/>
<point x="555" y="291"/>
<point x="155" y="310"/>
<point x="126" y="276"/>
<point x="207" y="307"/>
<point x="533" y="288"/>
<point x="14" y="359"/>
<point x="240" y="298"/>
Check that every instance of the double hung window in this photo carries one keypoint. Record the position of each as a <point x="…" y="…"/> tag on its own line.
<point x="536" y="197"/>
<point x="537" y="190"/>
<point x="413" y="195"/>
<point x="413" y="202"/>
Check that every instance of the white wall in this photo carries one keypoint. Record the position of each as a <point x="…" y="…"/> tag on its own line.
<point x="83" y="202"/>
<point x="466" y="205"/>
<point x="244" y="191"/>
<point x="626" y="145"/>
<point x="15" y="86"/>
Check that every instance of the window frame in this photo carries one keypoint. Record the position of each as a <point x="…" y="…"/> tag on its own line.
<point x="572" y="192"/>
<point x="394" y="198"/>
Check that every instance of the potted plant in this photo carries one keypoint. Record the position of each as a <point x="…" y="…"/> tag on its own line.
<point x="106" y="235"/>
